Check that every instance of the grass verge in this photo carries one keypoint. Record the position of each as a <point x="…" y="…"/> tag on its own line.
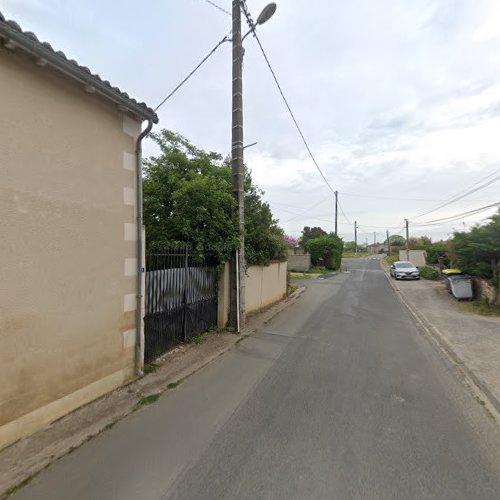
<point x="429" y="273"/>
<point x="147" y="400"/>
<point x="481" y="307"/>
<point x="391" y="260"/>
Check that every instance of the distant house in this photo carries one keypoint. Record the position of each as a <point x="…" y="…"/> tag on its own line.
<point x="69" y="241"/>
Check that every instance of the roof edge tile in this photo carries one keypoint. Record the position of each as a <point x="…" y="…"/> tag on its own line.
<point x="30" y="42"/>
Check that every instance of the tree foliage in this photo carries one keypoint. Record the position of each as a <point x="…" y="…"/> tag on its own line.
<point x="420" y="243"/>
<point x="397" y="240"/>
<point x="291" y="241"/>
<point x="188" y="199"/>
<point x="309" y="233"/>
<point x="438" y="250"/>
<point x="478" y="251"/>
<point x="350" y="246"/>
<point x="326" y="250"/>
<point x="264" y="239"/>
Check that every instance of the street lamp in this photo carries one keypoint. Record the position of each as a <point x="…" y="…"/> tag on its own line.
<point x="238" y="264"/>
<point x="266" y="14"/>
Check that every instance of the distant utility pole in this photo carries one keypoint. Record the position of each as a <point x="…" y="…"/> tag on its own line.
<point x="374" y="241"/>
<point x="336" y="211"/>
<point x="388" y="244"/>
<point x="237" y="303"/>
<point x="407" y="240"/>
<point x="355" y="236"/>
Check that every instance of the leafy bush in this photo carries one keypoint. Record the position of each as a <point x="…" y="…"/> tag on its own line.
<point x="429" y="273"/>
<point x="391" y="260"/>
<point x="311" y="233"/>
<point x="326" y="251"/>
<point x="436" y="250"/>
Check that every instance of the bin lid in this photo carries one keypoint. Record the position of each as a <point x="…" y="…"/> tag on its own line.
<point x="452" y="271"/>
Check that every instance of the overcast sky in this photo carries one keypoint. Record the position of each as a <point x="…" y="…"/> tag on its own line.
<point x="399" y="99"/>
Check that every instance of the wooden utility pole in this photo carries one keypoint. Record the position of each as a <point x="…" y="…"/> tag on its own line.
<point x="355" y="237"/>
<point x="237" y="315"/>
<point x="336" y="211"/>
<point x="388" y="244"/>
<point x="407" y="240"/>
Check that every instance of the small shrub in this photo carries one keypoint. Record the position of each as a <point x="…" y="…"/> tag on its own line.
<point x="326" y="251"/>
<point x="482" y="307"/>
<point x="147" y="400"/>
<point x="391" y="260"/>
<point x="429" y="273"/>
<point x="150" y="368"/>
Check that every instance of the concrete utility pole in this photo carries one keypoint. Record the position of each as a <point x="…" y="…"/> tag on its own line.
<point x="355" y="236"/>
<point x="407" y="240"/>
<point x="237" y="266"/>
<point x="238" y="262"/>
<point x="374" y="241"/>
<point x="336" y="211"/>
<point x="388" y="244"/>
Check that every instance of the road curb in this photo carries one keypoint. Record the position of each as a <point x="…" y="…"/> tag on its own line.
<point x="469" y="377"/>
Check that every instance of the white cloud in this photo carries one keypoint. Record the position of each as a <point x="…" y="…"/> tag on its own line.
<point x="398" y="100"/>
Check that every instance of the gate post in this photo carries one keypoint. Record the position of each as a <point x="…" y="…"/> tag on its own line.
<point x="184" y="318"/>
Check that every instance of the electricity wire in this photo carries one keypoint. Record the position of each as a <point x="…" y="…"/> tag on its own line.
<point x="452" y="218"/>
<point x="481" y="184"/>
<point x="213" y="4"/>
<point x="343" y="213"/>
<point x="297" y="126"/>
<point x="200" y="64"/>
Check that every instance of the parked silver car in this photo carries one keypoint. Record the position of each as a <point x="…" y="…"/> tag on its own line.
<point x="404" y="270"/>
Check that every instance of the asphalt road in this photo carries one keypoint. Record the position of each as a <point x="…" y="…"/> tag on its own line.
<point x="341" y="397"/>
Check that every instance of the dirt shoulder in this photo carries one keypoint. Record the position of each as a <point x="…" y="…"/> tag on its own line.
<point x="24" y="459"/>
<point x="470" y="341"/>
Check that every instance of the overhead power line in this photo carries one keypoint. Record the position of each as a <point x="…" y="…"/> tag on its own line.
<point x="399" y="199"/>
<point x="452" y="218"/>
<point x="200" y="64"/>
<point x="307" y="210"/>
<point x="213" y="4"/>
<point x="481" y="184"/>
<point x="297" y="126"/>
<point x="343" y="213"/>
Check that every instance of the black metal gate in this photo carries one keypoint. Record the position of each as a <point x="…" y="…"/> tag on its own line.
<point x="181" y="299"/>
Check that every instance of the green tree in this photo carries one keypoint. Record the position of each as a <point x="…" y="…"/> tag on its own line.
<point x="420" y="243"/>
<point x="397" y="240"/>
<point x="188" y="199"/>
<point x="309" y="233"/>
<point x="437" y="250"/>
<point x="478" y="251"/>
<point x="264" y="239"/>
<point x="326" y="251"/>
<point x="350" y="246"/>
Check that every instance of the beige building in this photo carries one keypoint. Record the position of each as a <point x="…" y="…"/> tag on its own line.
<point x="69" y="245"/>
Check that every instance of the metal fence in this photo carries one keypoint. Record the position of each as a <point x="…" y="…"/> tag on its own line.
<point x="181" y="299"/>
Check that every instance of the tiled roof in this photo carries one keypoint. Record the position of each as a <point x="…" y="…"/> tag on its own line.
<point x="11" y="31"/>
